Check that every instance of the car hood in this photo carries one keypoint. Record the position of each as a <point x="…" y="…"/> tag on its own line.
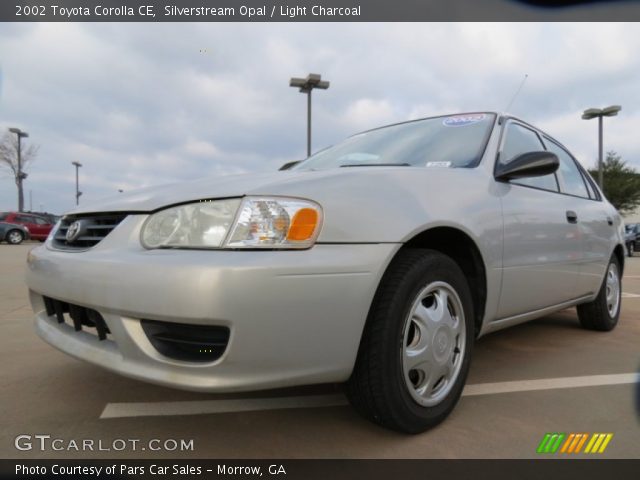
<point x="13" y="225"/>
<point x="361" y="204"/>
<point x="299" y="183"/>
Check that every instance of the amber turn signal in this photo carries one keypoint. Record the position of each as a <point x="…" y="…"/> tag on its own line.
<point x="303" y="225"/>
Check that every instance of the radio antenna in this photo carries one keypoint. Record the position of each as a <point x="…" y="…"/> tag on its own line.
<point x="515" y="95"/>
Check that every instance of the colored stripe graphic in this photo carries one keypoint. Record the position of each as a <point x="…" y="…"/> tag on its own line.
<point x="598" y="442"/>
<point x="551" y="442"/>
<point x="572" y="443"/>
<point x="543" y="443"/>
<point x="581" y="442"/>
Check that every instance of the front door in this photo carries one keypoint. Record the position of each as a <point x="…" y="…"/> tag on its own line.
<point x="542" y="247"/>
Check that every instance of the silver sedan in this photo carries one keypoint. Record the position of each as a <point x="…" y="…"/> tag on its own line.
<point x="376" y="262"/>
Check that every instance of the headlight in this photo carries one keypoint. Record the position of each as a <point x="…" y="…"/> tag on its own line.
<point x="202" y="224"/>
<point x="252" y="222"/>
<point x="274" y="222"/>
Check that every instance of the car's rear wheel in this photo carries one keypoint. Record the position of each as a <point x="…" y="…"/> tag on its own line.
<point x="602" y="314"/>
<point x="15" y="237"/>
<point x="415" y="350"/>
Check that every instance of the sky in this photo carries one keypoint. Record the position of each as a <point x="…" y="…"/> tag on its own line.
<point x="150" y="104"/>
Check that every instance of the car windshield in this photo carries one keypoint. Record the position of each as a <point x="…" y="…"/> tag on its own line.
<point x="455" y="141"/>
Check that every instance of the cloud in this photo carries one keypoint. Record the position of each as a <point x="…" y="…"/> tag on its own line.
<point x="147" y="104"/>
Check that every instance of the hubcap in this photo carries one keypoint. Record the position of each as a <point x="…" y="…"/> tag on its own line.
<point x="15" y="237"/>
<point x="433" y="343"/>
<point x="613" y="290"/>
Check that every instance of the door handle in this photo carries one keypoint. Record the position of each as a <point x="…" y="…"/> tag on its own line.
<point x="610" y="221"/>
<point x="572" y="217"/>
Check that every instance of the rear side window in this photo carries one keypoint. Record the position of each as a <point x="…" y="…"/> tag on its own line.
<point x="40" y="221"/>
<point x="23" y="219"/>
<point x="519" y="140"/>
<point x="3" y="216"/>
<point x="572" y="181"/>
<point x="593" y="194"/>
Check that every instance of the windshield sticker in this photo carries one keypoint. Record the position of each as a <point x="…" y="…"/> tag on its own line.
<point x="463" y="120"/>
<point x="439" y="164"/>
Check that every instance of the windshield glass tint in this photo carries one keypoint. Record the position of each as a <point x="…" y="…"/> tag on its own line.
<point x="455" y="141"/>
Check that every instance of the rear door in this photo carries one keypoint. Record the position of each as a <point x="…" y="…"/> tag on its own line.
<point x="43" y="226"/>
<point x="542" y="247"/>
<point x="596" y="222"/>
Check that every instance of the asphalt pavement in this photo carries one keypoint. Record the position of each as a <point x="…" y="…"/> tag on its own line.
<point x="546" y="376"/>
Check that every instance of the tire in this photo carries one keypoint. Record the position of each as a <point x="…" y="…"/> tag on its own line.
<point x="407" y="322"/>
<point x="602" y="314"/>
<point x="14" y="237"/>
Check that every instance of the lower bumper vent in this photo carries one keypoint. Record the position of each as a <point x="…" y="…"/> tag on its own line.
<point x="77" y="316"/>
<point x="191" y="343"/>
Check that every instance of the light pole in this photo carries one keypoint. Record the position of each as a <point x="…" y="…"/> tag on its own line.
<point x="20" y="175"/>
<point x="306" y="85"/>
<point x="599" y="113"/>
<point x="78" y="192"/>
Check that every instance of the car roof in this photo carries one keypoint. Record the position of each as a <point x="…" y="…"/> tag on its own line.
<point x="26" y="214"/>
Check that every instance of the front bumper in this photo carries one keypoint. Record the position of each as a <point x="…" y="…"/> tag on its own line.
<point x="295" y="317"/>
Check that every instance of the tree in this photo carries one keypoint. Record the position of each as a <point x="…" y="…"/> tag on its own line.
<point x="9" y="161"/>
<point x="621" y="183"/>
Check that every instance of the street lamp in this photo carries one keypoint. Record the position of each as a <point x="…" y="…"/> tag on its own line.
<point x="598" y="113"/>
<point x="20" y="176"/>
<point x="78" y="192"/>
<point x="306" y="85"/>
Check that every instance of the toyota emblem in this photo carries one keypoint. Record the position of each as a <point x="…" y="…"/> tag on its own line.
<point x="74" y="231"/>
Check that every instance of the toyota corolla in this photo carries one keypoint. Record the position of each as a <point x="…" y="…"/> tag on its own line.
<point x="376" y="262"/>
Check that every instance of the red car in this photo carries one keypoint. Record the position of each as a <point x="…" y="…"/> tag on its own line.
<point x="39" y="227"/>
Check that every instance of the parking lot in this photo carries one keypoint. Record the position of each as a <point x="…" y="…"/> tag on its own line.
<point x="522" y="385"/>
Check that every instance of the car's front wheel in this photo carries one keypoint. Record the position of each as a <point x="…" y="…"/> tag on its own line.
<point x="415" y="351"/>
<point x="15" y="237"/>
<point x="602" y="313"/>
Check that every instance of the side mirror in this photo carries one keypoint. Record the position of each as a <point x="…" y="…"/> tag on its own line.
<point x="526" y="165"/>
<point x="289" y="165"/>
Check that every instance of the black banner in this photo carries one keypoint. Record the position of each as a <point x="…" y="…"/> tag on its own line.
<point x="322" y="469"/>
<point x="316" y="10"/>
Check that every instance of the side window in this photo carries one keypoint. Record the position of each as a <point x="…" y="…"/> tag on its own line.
<point x="23" y="219"/>
<point x="3" y="216"/>
<point x="572" y="181"/>
<point x="40" y="221"/>
<point x="591" y="189"/>
<point x="518" y="140"/>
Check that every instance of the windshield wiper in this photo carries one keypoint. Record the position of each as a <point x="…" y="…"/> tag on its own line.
<point x="375" y="165"/>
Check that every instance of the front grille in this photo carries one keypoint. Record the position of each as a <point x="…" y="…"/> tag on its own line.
<point x="88" y="230"/>
<point x="81" y="318"/>
<point x="191" y="343"/>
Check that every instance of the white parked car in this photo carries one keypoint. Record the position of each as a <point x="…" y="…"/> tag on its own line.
<point x="377" y="262"/>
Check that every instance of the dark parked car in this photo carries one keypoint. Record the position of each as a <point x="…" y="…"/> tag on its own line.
<point x="39" y="227"/>
<point x="632" y="232"/>
<point x="12" y="233"/>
